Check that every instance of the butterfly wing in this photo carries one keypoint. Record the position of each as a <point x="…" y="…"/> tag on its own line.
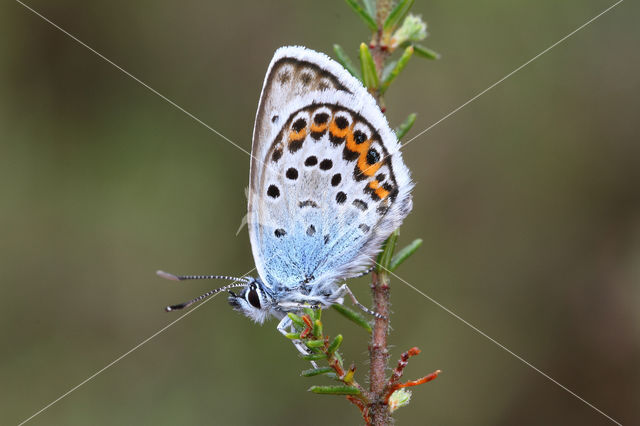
<point x="327" y="181"/>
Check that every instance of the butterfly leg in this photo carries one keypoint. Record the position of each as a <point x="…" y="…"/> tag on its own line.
<point x="286" y="326"/>
<point x="344" y="289"/>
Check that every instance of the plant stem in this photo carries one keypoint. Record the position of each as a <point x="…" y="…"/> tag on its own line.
<point x="378" y="353"/>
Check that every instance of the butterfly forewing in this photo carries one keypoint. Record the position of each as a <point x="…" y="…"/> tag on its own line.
<point x="328" y="183"/>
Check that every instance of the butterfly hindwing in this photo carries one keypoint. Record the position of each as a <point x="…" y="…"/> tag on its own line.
<point x="327" y="183"/>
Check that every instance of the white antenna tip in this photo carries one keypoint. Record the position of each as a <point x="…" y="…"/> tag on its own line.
<point x="167" y="276"/>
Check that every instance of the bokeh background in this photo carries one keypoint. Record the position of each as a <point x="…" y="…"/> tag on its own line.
<point x="528" y="201"/>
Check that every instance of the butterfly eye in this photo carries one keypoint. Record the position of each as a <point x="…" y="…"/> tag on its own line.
<point x="253" y="299"/>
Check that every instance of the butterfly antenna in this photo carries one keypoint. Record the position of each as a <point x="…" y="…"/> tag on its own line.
<point x="204" y="296"/>
<point x="168" y="276"/>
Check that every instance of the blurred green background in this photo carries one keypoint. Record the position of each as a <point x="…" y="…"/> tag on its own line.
<point x="528" y="201"/>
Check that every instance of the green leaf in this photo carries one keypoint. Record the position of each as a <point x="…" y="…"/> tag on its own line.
<point x="335" y="344"/>
<point x="292" y="336"/>
<point x="425" y="52"/>
<point x="399" y="66"/>
<point x="368" y="19"/>
<point x="384" y="258"/>
<point x="348" y="376"/>
<point x="297" y="321"/>
<point x="404" y="254"/>
<point x="316" y="371"/>
<point x="346" y="62"/>
<point x="370" y="6"/>
<point x="317" y="328"/>
<point x="315" y="357"/>
<point x="353" y="316"/>
<point x="314" y="343"/>
<point x="369" y="73"/>
<point x="335" y="390"/>
<point x="402" y="129"/>
<point x="396" y="15"/>
<point x="310" y="312"/>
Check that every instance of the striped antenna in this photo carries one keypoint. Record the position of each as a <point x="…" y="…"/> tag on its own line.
<point x="168" y="276"/>
<point x="240" y="282"/>
<point x="204" y="296"/>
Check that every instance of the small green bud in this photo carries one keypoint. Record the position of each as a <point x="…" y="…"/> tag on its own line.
<point x="297" y="321"/>
<point x="316" y="371"/>
<point x="314" y="343"/>
<point x="399" y="399"/>
<point x="335" y="344"/>
<point x="413" y="29"/>
<point x="335" y="390"/>
<point x="292" y="336"/>
<point x="315" y="357"/>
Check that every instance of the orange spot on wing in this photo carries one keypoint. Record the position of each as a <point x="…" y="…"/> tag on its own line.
<point x="338" y="132"/>
<point x="366" y="168"/>
<point x="297" y="136"/>
<point x="318" y="128"/>
<point x="382" y="193"/>
<point x="379" y="190"/>
<point x="353" y="146"/>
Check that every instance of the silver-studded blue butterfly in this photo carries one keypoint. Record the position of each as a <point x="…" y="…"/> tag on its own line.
<point x="327" y="186"/>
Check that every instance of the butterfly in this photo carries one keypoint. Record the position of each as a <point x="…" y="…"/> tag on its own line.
<point x="327" y="186"/>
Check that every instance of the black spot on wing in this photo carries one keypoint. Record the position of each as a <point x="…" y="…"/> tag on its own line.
<point x="359" y="137"/>
<point x="357" y="174"/>
<point x="318" y="135"/>
<point x="372" y="156"/>
<point x="342" y="122"/>
<point x="273" y="191"/>
<point x="369" y="190"/>
<point x="292" y="173"/>
<point x="295" y="145"/>
<point x="277" y="154"/>
<point x="335" y="140"/>
<point x="349" y="155"/>
<point x="311" y="161"/>
<point x="326" y="164"/>
<point x="321" y="118"/>
<point x="308" y="203"/>
<point x="299" y="124"/>
<point x="360" y="204"/>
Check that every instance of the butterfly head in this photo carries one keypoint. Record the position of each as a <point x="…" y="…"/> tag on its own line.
<point x="255" y="301"/>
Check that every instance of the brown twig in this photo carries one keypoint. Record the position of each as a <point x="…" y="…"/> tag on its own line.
<point x="394" y="381"/>
<point x="378" y="412"/>
<point x="378" y="352"/>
